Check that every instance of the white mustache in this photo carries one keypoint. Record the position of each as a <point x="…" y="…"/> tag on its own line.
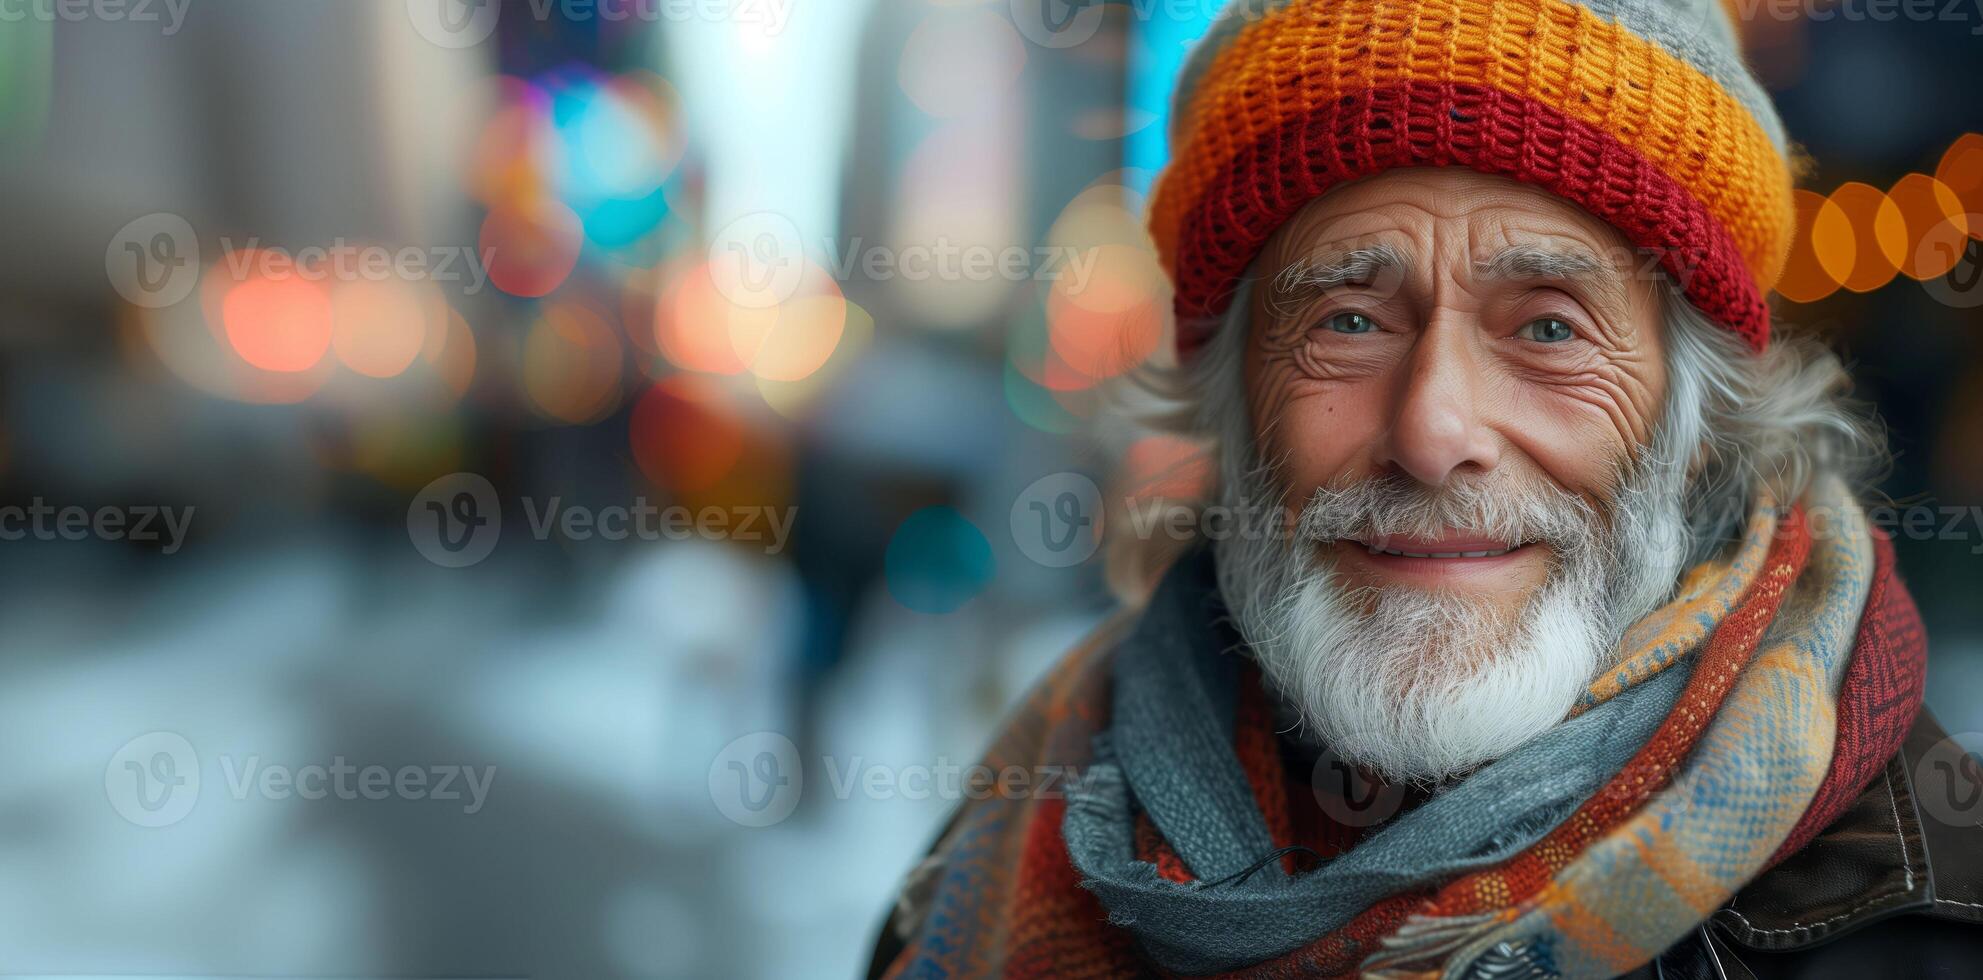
<point x="1512" y="510"/>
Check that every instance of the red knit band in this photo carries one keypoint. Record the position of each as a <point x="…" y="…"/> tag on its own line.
<point x="1433" y="124"/>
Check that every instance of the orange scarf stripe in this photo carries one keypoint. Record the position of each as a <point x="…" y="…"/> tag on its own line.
<point x="1551" y="51"/>
<point x="1734" y="644"/>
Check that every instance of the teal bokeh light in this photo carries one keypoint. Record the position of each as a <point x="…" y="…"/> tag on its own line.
<point x="937" y="561"/>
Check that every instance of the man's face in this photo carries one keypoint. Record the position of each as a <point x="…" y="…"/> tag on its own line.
<point x="1442" y="325"/>
<point x="1453" y="383"/>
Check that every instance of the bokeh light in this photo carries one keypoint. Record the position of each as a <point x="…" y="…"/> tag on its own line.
<point x="949" y="197"/>
<point x="1030" y="350"/>
<point x="793" y="399"/>
<point x="622" y="137"/>
<point x="1860" y="238"/>
<point x="379" y="326"/>
<point x="1935" y="226"/>
<point x="1961" y="168"/>
<point x="572" y="363"/>
<point x="517" y="153"/>
<point x="685" y="434"/>
<point x="1106" y="317"/>
<point x="799" y="335"/>
<point x="937" y="561"/>
<point x="1167" y="467"/>
<point x="694" y="321"/>
<point x="280" y="324"/>
<point x="1879" y="235"/>
<point x="1036" y="406"/>
<point x="450" y="353"/>
<point x="531" y="245"/>
<point x="1807" y="279"/>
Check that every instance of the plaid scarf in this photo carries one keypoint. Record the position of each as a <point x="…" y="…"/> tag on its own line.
<point x="1804" y="661"/>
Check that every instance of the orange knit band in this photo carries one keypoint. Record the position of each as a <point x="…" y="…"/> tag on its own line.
<point x="1303" y="60"/>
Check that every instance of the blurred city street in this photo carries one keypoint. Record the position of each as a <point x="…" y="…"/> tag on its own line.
<point x="443" y="439"/>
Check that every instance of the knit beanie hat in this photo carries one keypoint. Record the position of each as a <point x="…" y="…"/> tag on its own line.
<point x="1639" y="111"/>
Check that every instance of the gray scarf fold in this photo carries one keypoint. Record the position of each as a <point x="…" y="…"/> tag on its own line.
<point x="1169" y="752"/>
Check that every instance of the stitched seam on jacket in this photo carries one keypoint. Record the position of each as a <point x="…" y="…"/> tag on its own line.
<point x="1899" y="834"/>
<point x="1861" y="907"/>
<point x="1907" y="865"/>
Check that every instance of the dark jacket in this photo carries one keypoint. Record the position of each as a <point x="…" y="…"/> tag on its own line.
<point x="1894" y="888"/>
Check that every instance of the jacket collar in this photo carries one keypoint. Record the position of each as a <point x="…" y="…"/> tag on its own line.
<point x="1910" y="843"/>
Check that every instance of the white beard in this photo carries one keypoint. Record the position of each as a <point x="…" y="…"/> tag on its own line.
<point x="1425" y="686"/>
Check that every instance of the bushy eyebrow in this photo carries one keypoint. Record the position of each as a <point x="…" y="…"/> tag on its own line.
<point x="1574" y="265"/>
<point x="1357" y="265"/>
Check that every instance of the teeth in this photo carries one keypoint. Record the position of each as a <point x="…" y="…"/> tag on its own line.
<point x="1437" y="554"/>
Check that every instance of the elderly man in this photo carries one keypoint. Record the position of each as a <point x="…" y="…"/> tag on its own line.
<point x="1543" y="636"/>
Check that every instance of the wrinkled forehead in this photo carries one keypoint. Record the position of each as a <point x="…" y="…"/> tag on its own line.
<point x="1410" y="227"/>
<point x="1452" y="217"/>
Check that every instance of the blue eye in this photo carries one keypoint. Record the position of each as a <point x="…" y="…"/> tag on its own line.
<point x="1350" y="323"/>
<point x="1547" y="331"/>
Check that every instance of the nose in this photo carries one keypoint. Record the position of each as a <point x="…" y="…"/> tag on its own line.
<point x="1437" y="428"/>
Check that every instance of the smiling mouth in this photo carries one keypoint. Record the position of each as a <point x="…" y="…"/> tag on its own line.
<point x="1441" y="549"/>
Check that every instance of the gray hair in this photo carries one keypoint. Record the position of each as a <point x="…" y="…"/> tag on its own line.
<point x="1770" y="424"/>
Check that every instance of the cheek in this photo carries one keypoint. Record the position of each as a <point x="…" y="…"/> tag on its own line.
<point x="1324" y="431"/>
<point x="1579" y="431"/>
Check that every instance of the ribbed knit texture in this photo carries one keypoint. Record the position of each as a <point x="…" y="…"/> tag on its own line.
<point x="1637" y="110"/>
